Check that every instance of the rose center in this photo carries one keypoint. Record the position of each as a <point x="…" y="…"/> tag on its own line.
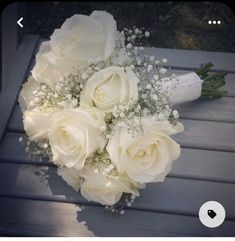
<point x="141" y="153"/>
<point x="101" y="94"/>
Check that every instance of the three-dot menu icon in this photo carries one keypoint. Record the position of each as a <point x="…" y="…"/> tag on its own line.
<point x="214" y="21"/>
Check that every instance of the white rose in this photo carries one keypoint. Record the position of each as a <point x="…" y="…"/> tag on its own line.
<point x="71" y="176"/>
<point x="110" y="87"/>
<point x="85" y="38"/>
<point x="187" y="88"/>
<point x="26" y="93"/>
<point x="105" y="190"/>
<point x="37" y="124"/>
<point x="75" y="134"/>
<point x="80" y="39"/>
<point x="147" y="157"/>
<point x="49" y="68"/>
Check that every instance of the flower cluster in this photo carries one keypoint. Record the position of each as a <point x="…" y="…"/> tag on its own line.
<point x="102" y="110"/>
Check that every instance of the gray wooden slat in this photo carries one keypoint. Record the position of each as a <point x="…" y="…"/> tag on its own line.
<point x="191" y="59"/>
<point x="16" y="121"/>
<point x="12" y="85"/>
<point x="207" y="135"/>
<point x="9" y="39"/>
<point x="230" y="85"/>
<point x="40" y="218"/>
<point x="175" y="195"/>
<point x="222" y="109"/>
<point x="11" y="148"/>
<point x="205" y="164"/>
<point x="216" y="165"/>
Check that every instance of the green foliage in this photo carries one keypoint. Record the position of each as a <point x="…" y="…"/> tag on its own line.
<point x="211" y="81"/>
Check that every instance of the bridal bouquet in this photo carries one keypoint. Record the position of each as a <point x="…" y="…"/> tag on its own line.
<point x="103" y="111"/>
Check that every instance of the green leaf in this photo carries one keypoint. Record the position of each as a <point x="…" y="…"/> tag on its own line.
<point x="211" y="82"/>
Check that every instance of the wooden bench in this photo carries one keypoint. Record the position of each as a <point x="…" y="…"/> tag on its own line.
<point x="33" y="206"/>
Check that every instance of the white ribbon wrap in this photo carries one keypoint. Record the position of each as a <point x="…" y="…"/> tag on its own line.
<point x="188" y="88"/>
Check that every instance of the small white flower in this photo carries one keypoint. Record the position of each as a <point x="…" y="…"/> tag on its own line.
<point x="122" y="115"/>
<point x="129" y="204"/>
<point x="132" y="66"/>
<point x="143" y="96"/>
<point x="137" y="31"/>
<point x="122" y="212"/>
<point x="162" y="70"/>
<point x="156" y="77"/>
<point x="129" y="45"/>
<point x="45" y="146"/>
<point x="149" y="68"/>
<point x="43" y="88"/>
<point x="121" y="123"/>
<point x="133" y="197"/>
<point x="31" y="103"/>
<point x="69" y="96"/>
<point x="138" y="60"/>
<point x="133" y="37"/>
<point x="147" y="34"/>
<point x="74" y="102"/>
<point x="58" y="88"/>
<point x="128" y="39"/>
<point x="161" y="116"/>
<point x="155" y="97"/>
<point x="164" y="60"/>
<point x="36" y="100"/>
<point x="103" y="128"/>
<point x="62" y="103"/>
<point x="152" y="58"/>
<point x="157" y="62"/>
<point x="148" y="86"/>
<point x="138" y="108"/>
<point x="84" y="76"/>
<point x="175" y="114"/>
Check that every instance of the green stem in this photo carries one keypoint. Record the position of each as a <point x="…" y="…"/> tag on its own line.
<point x="212" y="82"/>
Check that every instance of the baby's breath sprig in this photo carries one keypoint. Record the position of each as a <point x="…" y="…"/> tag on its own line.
<point x="102" y="164"/>
<point x="135" y="35"/>
<point x="37" y="151"/>
<point x="126" y="201"/>
<point x="98" y="157"/>
<point x="125" y="114"/>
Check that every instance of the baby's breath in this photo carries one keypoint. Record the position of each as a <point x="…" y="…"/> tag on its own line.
<point x="37" y="150"/>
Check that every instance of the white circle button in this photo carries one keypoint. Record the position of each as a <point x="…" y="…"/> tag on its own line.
<point x="212" y="214"/>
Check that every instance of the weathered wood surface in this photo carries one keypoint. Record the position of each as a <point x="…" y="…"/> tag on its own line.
<point x="41" y="218"/>
<point x="12" y="84"/>
<point x="176" y="195"/>
<point x="191" y="59"/>
<point x="35" y="201"/>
